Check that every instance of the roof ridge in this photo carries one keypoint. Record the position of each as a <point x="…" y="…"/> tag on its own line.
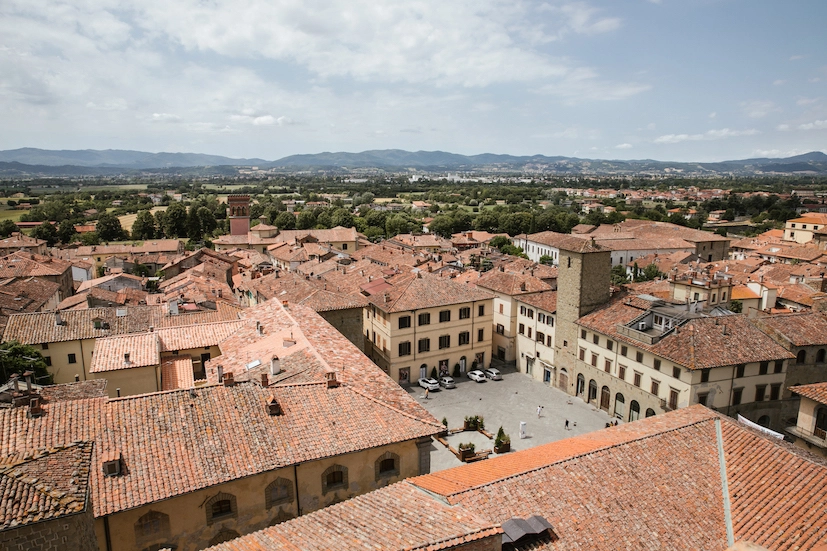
<point x="578" y="455"/>
<point x="385" y="404"/>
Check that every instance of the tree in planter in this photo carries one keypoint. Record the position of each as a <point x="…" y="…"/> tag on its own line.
<point x="473" y="365"/>
<point x="502" y="443"/>
<point x="456" y="370"/>
<point x="445" y="422"/>
<point x="433" y="372"/>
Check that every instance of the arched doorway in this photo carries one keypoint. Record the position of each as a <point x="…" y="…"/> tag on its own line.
<point x="563" y="379"/>
<point x="620" y="405"/>
<point x="592" y="391"/>
<point x="634" y="411"/>
<point x="764" y="421"/>
<point x="581" y="385"/>
<point x="650" y="412"/>
<point x="462" y="365"/>
<point x="423" y="371"/>
<point x="605" y="398"/>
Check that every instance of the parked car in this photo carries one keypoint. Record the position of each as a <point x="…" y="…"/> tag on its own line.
<point x="447" y="382"/>
<point x="493" y="374"/>
<point x="477" y="375"/>
<point x="430" y="384"/>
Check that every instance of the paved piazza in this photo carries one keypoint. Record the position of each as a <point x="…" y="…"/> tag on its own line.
<point x="507" y="403"/>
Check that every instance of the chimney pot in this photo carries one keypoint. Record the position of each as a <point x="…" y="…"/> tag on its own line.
<point x="77" y="378"/>
<point x="332" y="380"/>
<point x="265" y="381"/>
<point x="228" y="379"/>
<point x="126" y="357"/>
<point x="118" y="390"/>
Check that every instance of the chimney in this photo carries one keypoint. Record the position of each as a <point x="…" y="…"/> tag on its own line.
<point x="522" y="286"/>
<point x="15" y="378"/>
<point x="228" y="379"/>
<point x="126" y="358"/>
<point x="273" y="407"/>
<point x="332" y="381"/>
<point x="220" y="370"/>
<point x="275" y="365"/>
<point x="265" y="381"/>
<point x="35" y="406"/>
<point x="173" y="307"/>
<point x="28" y="376"/>
<point x="118" y="390"/>
<point x="285" y="303"/>
<point x="58" y="318"/>
<point x="259" y="329"/>
<point x="724" y="329"/>
<point x="77" y="378"/>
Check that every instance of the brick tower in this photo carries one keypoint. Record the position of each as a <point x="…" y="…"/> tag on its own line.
<point x="238" y="210"/>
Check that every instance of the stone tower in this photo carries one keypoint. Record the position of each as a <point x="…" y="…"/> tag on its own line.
<point x="583" y="283"/>
<point x="238" y="210"/>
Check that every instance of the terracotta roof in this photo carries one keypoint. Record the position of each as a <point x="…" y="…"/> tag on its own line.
<point x="81" y="390"/>
<point x="297" y="290"/>
<point x="414" y="292"/>
<point x="798" y="293"/>
<point x="89" y="283"/>
<point x="649" y="485"/>
<point x="44" y="484"/>
<point x="188" y="440"/>
<point x="19" y="240"/>
<point x="742" y="292"/>
<point x="800" y="329"/>
<point x="23" y="264"/>
<point x="546" y="301"/>
<point x="176" y="372"/>
<point x="511" y="283"/>
<point x="817" y="392"/>
<point x="79" y="324"/>
<point x="650" y="229"/>
<point x="154" y="246"/>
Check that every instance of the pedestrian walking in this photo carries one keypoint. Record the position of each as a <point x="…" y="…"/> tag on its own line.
<point x="567" y="424"/>
<point x="539" y="411"/>
<point x="426" y="393"/>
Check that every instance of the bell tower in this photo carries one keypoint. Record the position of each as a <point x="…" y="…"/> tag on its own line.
<point x="238" y="211"/>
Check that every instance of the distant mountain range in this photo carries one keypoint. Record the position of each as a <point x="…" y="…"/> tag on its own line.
<point x="41" y="162"/>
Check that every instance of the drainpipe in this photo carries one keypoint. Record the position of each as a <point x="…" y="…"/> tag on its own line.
<point x="82" y="359"/>
<point x="296" y="482"/>
<point x="106" y="532"/>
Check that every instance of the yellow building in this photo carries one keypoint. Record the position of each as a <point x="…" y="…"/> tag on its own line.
<point x="536" y="320"/>
<point x="810" y="429"/>
<point x="416" y="323"/>
<point x="801" y="230"/>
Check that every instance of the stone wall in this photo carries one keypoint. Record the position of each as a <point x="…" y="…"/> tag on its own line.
<point x="348" y="322"/>
<point x="69" y="533"/>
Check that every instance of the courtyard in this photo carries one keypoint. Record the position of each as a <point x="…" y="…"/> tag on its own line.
<point x="508" y="402"/>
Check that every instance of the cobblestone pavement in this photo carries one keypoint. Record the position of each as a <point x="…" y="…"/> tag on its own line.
<point x="507" y="403"/>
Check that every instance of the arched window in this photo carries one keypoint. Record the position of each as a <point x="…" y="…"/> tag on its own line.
<point x="592" y="390"/>
<point x="152" y="526"/>
<point x="220" y="506"/>
<point x="820" y="356"/>
<point x="801" y="357"/>
<point x="581" y="385"/>
<point x="764" y="420"/>
<point x="277" y="492"/>
<point x="634" y="411"/>
<point x="386" y="466"/>
<point x="224" y="535"/>
<point x="620" y="405"/>
<point x="650" y="412"/>
<point x="334" y="478"/>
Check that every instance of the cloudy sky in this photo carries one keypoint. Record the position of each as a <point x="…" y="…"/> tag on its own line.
<point x="617" y="79"/>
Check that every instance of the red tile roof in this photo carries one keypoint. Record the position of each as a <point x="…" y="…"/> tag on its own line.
<point x="417" y="291"/>
<point x="817" y="392"/>
<point x="799" y="329"/>
<point x="546" y="301"/>
<point x="511" y="283"/>
<point x="176" y="372"/>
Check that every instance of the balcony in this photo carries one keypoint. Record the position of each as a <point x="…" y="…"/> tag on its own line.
<point x="818" y="437"/>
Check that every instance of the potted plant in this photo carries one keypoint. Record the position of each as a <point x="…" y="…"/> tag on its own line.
<point x="433" y="373"/>
<point x="466" y="451"/>
<point x="467" y="424"/>
<point x="480" y="423"/>
<point x="502" y="443"/>
<point x="456" y="370"/>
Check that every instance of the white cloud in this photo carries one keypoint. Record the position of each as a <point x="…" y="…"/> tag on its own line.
<point x="757" y="109"/>
<point x="623" y="146"/>
<point x="713" y="115"/>
<point x="265" y="120"/>
<point x="783" y="127"/>
<point x="815" y="125"/>
<point x="165" y="117"/>
<point x="778" y="153"/>
<point x="796" y="57"/>
<point x="708" y="135"/>
<point x="807" y="101"/>
<point x="779" y="82"/>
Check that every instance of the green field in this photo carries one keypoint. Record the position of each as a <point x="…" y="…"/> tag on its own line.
<point x="128" y="219"/>
<point x="12" y="214"/>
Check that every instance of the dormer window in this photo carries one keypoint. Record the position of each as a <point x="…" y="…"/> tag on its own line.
<point x="112" y="467"/>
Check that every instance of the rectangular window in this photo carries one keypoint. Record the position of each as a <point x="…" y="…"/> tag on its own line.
<point x="594" y="360"/>
<point x="656" y="364"/>
<point x="73" y="359"/>
<point x="530" y="313"/>
<point x="548" y="341"/>
<point x="501" y="308"/>
<point x="404" y="322"/>
<point x="464" y="338"/>
<point x="763" y="368"/>
<point x="639" y="357"/>
<point x="704" y="375"/>
<point x="541" y="318"/>
<point x="676" y="372"/>
<point x="775" y="391"/>
<point x="610" y="345"/>
<point x="481" y="334"/>
<point x="779" y="366"/>
<point x="655" y="387"/>
<point x="583" y="354"/>
<point x="500" y="329"/>
<point x="739" y="370"/>
<point x="673" y="398"/>
<point x="444" y="315"/>
<point x="424" y="319"/>
<point x="529" y="332"/>
<point x="736" y="396"/>
<point x="481" y="310"/>
<point x="405" y="348"/>
<point x="760" y="392"/>
<point x="521" y="329"/>
<point x="621" y="372"/>
<point x="444" y="341"/>
<point x="608" y="366"/>
<point x="624" y="350"/>
<point x="702" y="398"/>
<point x="582" y="333"/>
<point x="551" y="321"/>
<point x="596" y="339"/>
<point x="465" y="313"/>
<point x="424" y="345"/>
<point x="522" y="310"/>
<point x="541" y="337"/>
<point x="638" y="377"/>
<point x="48" y="360"/>
<point x="45" y="346"/>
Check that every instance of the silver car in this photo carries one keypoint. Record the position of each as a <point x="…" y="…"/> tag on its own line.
<point x="447" y="382"/>
<point x="493" y="374"/>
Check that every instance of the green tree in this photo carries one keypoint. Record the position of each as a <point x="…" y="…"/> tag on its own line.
<point x="342" y="217"/>
<point x="90" y="238"/>
<point x="47" y="232"/>
<point x="144" y="226"/>
<point x="208" y="221"/>
<point x="19" y="358"/>
<point x="285" y="221"/>
<point x="175" y="224"/>
<point x="324" y="220"/>
<point x="194" y="231"/>
<point x="736" y="306"/>
<point x="305" y="220"/>
<point x="8" y="227"/>
<point x="66" y="232"/>
<point x="400" y="223"/>
<point x="619" y="276"/>
<point x="109" y="228"/>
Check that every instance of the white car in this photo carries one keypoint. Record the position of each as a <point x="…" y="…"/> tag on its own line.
<point x="429" y="383"/>
<point x="477" y="375"/>
<point x="493" y="374"/>
<point x="447" y="382"/>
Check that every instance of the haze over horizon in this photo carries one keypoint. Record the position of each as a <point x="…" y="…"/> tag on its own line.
<point x="695" y="80"/>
